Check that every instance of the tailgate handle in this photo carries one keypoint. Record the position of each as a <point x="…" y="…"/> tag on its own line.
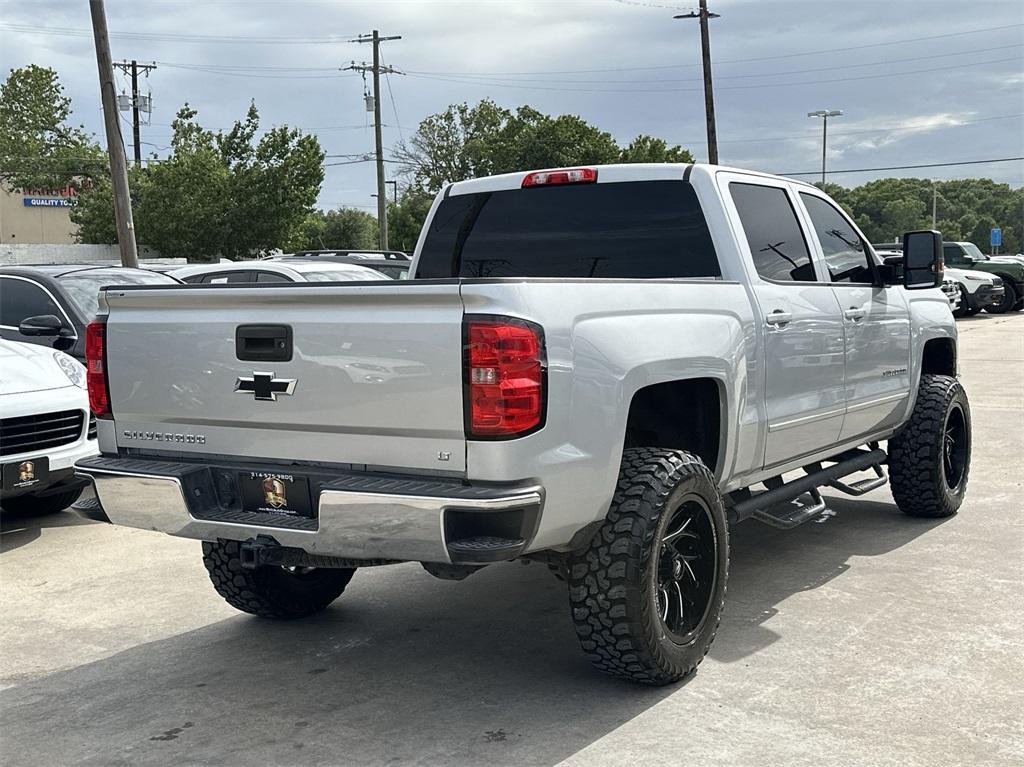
<point x="263" y="343"/>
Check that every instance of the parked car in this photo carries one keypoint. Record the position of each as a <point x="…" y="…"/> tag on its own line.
<point x="978" y="290"/>
<point x="393" y="263"/>
<point x="602" y="368"/>
<point x="268" y="271"/>
<point x="967" y="255"/>
<point x="952" y="291"/>
<point x="44" y="428"/>
<point x="894" y="258"/>
<point x="51" y="304"/>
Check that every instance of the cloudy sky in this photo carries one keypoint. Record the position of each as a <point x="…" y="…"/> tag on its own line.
<point x="919" y="81"/>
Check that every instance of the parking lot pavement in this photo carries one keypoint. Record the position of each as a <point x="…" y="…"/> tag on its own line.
<point x="865" y="639"/>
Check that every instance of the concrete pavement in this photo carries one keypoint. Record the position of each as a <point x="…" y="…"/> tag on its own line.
<point x="866" y="639"/>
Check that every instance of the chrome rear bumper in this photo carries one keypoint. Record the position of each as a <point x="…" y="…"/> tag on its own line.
<point x="360" y="515"/>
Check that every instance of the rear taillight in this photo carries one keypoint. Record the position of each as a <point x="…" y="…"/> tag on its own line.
<point x="96" y="367"/>
<point x="504" y="376"/>
<point x="557" y="177"/>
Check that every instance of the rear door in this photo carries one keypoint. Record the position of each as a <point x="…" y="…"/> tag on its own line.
<point x="876" y="320"/>
<point x="367" y="375"/>
<point x="799" y="317"/>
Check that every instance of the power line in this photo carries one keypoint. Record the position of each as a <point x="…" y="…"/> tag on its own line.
<point x="547" y="80"/>
<point x="499" y="84"/>
<point x="742" y="61"/>
<point x="174" y="37"/>
<point x="891" y="129"/>
<point x="908" y="167"/>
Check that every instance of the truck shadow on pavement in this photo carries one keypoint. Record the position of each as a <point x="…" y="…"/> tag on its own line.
<point x="405" y="669"/>
<point x="19" y="528"/>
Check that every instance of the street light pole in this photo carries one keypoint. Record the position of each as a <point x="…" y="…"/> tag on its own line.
<point x="824" y="114"/>
<point x="709" y="97"/>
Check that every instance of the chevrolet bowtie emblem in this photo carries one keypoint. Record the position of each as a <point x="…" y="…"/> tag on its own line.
<point x="265" y="386"/>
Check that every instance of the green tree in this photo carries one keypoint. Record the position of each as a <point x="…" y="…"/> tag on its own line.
<point x="344" y="229"/>
<point x="649" y="149"/>
<point x="218" y="194"/>
<point x="406" y="217"/>
<point x="39" y="149"/>
<point x="966" y="209"/>
<point x="465" y="142"/>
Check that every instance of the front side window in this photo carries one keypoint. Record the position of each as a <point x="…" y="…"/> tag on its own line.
<point x="623" y="230"/>
<point x="845" y="254"/>
<point x="953" y="254"/>
<point x="773" y="233"/>
<point x="20" y="299"/>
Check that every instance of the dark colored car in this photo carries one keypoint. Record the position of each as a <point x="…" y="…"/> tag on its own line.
<point x="51" y="304"/>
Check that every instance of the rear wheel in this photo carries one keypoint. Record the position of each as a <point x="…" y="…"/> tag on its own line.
<point x="647" y="594"/>
<point x="40" y="505"/>
<point x="271" y="591"/>
<point x="1010" y="299"/>
<point x="930" y="459"/>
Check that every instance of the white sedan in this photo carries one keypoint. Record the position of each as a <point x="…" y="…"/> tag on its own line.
<point x="45" y="427"/>
<point x="263" y="271"/>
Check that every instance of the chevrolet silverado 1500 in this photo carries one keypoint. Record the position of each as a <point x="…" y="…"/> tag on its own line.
<point x="596" y="368"/>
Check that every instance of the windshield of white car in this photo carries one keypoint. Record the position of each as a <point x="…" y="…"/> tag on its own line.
<point x="83" y="288"/>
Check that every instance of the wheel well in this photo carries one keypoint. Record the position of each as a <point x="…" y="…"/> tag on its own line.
<point x="939" y="357"/>
<point x="679" y="415"/>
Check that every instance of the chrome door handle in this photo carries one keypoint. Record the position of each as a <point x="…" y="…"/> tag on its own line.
<point x="778" y="318"/>
<point x="854" y="313"/>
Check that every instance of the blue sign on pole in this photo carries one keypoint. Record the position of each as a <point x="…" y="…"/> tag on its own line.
<point x="996" y="238"/>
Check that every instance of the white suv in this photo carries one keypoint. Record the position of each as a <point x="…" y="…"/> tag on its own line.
<point x="977" y="290"/>
<point x="44" y="428"/>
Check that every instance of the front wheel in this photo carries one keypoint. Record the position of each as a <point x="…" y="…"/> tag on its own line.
<point x="269" y="591"/>
<point x="1010" y="299"/>
<point x="930" y="458"/>
<point x="647" y="593"/>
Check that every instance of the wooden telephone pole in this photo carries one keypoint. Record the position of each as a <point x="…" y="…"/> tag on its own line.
<point x="115" y="147"/>
<point x="709" y="96"/>
<point x="377" y="69"/>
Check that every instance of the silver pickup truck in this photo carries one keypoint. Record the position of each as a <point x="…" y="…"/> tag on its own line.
<point x="599" y="369"/>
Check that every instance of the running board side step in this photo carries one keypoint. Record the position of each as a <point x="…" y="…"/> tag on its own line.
<point x="786" y="515"/>
<point x="766" y="506"/>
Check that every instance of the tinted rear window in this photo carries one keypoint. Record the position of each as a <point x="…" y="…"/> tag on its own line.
<point x="636" y="229"/>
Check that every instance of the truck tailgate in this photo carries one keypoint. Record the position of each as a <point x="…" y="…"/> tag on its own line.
<point x="377" y="372"/>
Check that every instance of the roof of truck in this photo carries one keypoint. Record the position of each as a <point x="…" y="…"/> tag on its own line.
<point x="609" y="173"/>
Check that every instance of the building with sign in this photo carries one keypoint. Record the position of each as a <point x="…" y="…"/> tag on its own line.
<point x="37" y="216"/>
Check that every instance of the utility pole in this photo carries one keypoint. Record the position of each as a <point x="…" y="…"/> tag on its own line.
<point x="132" y="68"/>
<point x="377" y="69"/>
<point x="824" y="114"/>
<point x="115" y="148"/>
<point x="709" y="97"/>
<point x="934" y="203"/>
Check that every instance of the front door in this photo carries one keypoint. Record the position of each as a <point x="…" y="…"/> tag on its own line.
<point x="800" y="323"/>
<point x="876" y="319"/>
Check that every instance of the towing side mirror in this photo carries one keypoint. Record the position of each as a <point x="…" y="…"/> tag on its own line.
<point x="43" y="325"/>
<point x="922" y="260"/>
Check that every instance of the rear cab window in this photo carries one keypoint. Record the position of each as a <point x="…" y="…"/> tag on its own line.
<point x="624" y="230"/>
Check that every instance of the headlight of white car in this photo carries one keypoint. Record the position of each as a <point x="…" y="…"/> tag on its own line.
<point x="72" y="368"/>
<point x="972" y="278"/>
